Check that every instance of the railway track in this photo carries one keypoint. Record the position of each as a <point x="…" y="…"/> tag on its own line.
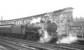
<point x="5" y="47"/>
<point x="26" y="43"/>
<point x="18" y="47"/>
<point x="26" y="46"/>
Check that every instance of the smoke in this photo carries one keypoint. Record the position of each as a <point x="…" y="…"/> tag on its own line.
<point x="68" y="39"/>
<point x="35" y="20"/>
<point x="45" y="37"/>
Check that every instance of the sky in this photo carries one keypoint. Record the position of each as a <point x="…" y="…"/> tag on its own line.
<point x="12" y="9"/>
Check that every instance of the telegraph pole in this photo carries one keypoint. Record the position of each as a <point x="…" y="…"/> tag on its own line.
<point x="1" y="18"/>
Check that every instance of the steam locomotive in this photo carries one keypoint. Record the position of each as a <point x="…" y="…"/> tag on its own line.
<point x="28" y="31"/>
<point x="20" y="31"/>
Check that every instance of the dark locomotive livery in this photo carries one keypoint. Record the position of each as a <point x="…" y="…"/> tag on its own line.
<point x="19" y="32"/>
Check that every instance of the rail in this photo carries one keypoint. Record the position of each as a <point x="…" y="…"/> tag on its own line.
<point x="26" y="43"/>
